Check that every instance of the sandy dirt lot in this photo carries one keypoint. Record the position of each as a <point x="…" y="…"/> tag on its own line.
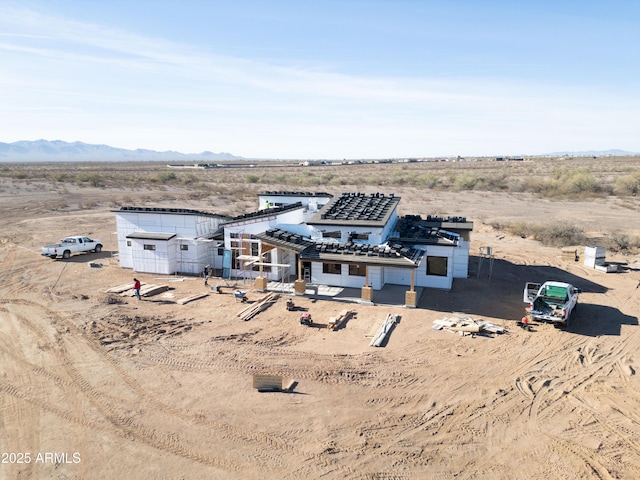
<point x="96" y="385"/>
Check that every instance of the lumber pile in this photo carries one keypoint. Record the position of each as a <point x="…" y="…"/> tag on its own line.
<point x="257" y="307"/>
<point x="336" y="322"/>
<point x="267" y="383"/>
<point x="384" y="330"/>
<point x="121" y="288"/>
<point x="191" y="298"/>
<point x="146" y="290"/>
<point x="569" y="253"/>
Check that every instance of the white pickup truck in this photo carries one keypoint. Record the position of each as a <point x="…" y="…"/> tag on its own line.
<point x="70" y="245"/>
<point x="551" y="301"/>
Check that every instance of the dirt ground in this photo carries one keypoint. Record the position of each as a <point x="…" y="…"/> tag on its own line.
<point x="96" y="385"/>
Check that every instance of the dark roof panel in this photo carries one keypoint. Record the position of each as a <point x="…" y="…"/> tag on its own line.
<point x="357" y="209"/>
<point x="383" y="255"/>
<point x="287" y="240"/>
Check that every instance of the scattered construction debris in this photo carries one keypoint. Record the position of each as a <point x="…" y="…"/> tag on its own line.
<point x="336" y="322"/>
<point x="384" y="330"/>
<point x="257" y="307"/>
<point x="466" y="326"/>
<point x="191" y="298"/>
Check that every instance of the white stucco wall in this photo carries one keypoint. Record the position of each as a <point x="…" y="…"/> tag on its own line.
<point x="186" y="226"/>
<point x="461" y="260"/>
<point x="162" y="260"/>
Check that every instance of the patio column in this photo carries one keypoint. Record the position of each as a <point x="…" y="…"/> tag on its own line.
<point x="261" y="281"/>
<point x="299" y="286"/>
<point x="410" y="297"/>
<point x="367" y="291"/>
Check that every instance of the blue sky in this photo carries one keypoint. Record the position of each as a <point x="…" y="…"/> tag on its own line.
<point x="323" y="79"/>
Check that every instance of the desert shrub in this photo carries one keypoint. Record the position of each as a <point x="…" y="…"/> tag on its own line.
<point x="60" y="176"/>
<point x="338" y="181"/>
<point x="163" y="177"/>
<point x="558" y="234"/>
<point x="190" y="179"/>
<point x="467" y="181"/>
<point x="628" y="185"/>
<point x="520" y="229"/>
<point x="551" y="235"/>
<point x="251" y="178"/>
<point x="428" y="180"/>
<point x="580" y="181"/>
<point x="90" y="178"/>
<point x="621" y="242"/>
<point x="280" y="178"/>
<point x="496" y="182"/>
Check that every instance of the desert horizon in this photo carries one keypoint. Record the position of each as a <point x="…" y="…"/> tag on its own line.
<point x="92" y="381"/>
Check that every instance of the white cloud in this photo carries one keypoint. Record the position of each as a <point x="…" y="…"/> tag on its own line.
<point x="97" y="84"/>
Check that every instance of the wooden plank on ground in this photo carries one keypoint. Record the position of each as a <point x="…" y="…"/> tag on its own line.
<point x="336" y="322"/>
<point x="191" y="298"/>
<point x="262" y="304"/>
<point x="120" y="288"/>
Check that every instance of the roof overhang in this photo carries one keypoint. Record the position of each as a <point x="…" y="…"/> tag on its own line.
<point x="151" y="236"/>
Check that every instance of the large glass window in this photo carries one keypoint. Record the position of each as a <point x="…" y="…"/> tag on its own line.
<point x="360" y="236"/>
<point x="357" y="270"/>
<point x="332" y="268"/>
<point x="437" y="266"/>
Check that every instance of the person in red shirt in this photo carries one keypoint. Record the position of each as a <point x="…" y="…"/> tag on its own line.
<point x="136" y="287"/>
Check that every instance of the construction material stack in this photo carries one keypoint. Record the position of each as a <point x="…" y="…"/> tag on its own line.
<point x="257" y="307"/>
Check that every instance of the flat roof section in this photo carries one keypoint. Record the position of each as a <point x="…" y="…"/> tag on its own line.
<point x="171" y="211"/>
<point x="151" y="236"/>
<point x="357" y="209"/>
<point x="284" y="193"/>
<point x="264" y="213"/>
<point x="380" y="255"/>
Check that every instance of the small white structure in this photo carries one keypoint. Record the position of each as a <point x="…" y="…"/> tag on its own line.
<point x="312" y="201"/>
<point x="594" y="256"/>
<point x="168" y="240"/>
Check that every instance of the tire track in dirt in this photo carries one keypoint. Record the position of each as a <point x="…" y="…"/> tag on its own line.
<point x="121" y="423"/>
<point x="270" y="443"/>
<point x="129" y="430"/>
<point x="239" y="436"/>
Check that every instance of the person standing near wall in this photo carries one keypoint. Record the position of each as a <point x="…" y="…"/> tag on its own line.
<point x="136" y="287"/>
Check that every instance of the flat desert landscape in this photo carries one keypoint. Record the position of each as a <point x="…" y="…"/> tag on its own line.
<point x="98" y="385"/>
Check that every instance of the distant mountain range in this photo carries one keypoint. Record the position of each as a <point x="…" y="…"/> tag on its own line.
<point x="59" y="151"/>
<point x="598" y="153"/>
